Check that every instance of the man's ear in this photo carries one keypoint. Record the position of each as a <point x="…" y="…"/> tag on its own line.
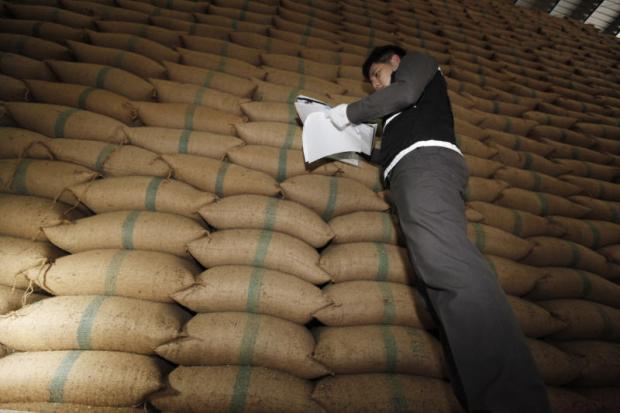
<point x="395" y="61"/>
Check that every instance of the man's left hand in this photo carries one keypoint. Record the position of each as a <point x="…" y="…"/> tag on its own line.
<point x="338" y="116"/>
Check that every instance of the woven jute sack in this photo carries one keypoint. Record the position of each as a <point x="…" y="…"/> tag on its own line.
<point x="213" y="339"/>
<point x="385" y="393"/>
<point x="33" y="47"/>
<point x="13" y="89"/>
<point x="379" y="349"/>
<point x="46" y="179"/>
<point x="25" y="216"/>
<point x="539" y="182"/>
<point x="240" y="13"/>
<point x="84" y="97"/>
<point x="142" y="193"/>
<point x="551" y="251"/>
<point x="51" y="407"/>
<point x="275" y="134"/>
<point x="135" y="63"/>
<point x="540" y="203"/>
<point x="270" y="112"/>
<point x="22" y="143"/>
<point x="534" y="320"/>
<point x="484" y="168"/>
<point x="145" y="275"/>
<point x="599" y="357"/>
<point x="302" y="17"/>
<point x="303" y="81"/>
<point x="229" y="23"/>
<point x="517" y="142"/>
<point x="140" y="230"/>
<point x="366" y="226"/>
<point x="109" y="159"/>
<point x="253" y="289"/>
<point x="20" y="256"/>
<point x="529" y="160"/>
<point x="187" y="116"/>
<point x="593" y="234"/>
<point x="556" y="367"/>
<point x="224" y="388"/>
<point x="263" y="43"/>
<point x="79" y="377"/>
<point x="482" y="189"/>
<point x="365" y="173"/>
<point x="163" y="36"/>
<point x="305" y="40"/>
<point x="184" y="141"/>
<point x="57" y="121"/>
<point x="22" y="67"/>
<point x="108" y="12"/>
<point x="271" y="92"/>
<point x="175" y="92"/>
<point x="332" y="196"/>
<point x="563" y="400"/>
<point x="595" y="188"/>
<point x="491" y="240"/>
<point x="263" y="248"/>
<point x="220" y="177"/>
<point x="515" y="278"/>
<point x="220" y="63"/>
<point x="46" y="30"/>
<point x="12" y="299"/>
<point x="300" y="65"/>
<point x="110" y="78"/>
<point x="373" y="302"/>
<point x="222" y="47"/>
<point x="591" y="169"/>
<point x="93" y="322"/>
<point x="598" y="209"/>
<point x="262" y="212"/>
<point x="367" y="261"/>
<point x="584" y="319"/>
<point x="147" y="10"/>
<point x="210" y="78"/>
<point x="133" y="43"/>
<point x="48" y="13"/>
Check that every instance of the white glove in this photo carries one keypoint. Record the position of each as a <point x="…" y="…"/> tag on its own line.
<point x="338" y="116"/>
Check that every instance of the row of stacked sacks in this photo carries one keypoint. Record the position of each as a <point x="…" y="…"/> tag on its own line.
<point x="514" y="195"/>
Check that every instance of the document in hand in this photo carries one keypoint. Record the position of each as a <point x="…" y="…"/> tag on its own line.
<point x="320" y="138"/>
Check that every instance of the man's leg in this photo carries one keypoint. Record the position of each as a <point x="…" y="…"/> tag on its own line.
<point x="491" y="360"/>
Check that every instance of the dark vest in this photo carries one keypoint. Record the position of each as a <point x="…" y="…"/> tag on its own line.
<point x="429" y="118"/>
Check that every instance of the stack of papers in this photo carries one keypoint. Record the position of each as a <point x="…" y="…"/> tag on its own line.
<point x="321" y="139"/>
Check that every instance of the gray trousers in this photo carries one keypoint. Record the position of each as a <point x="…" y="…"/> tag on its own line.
<point x="490" y="365"/>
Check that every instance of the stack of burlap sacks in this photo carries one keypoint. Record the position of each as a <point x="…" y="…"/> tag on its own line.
<point x="148" y="140"/>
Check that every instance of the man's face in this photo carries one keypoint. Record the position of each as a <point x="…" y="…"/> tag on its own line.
<point x="380" y="74"/>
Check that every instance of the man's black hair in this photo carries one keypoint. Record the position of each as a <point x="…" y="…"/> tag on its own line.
<point x="381" y="54"/>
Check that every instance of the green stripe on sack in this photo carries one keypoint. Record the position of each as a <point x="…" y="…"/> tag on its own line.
<point x="543" y="203"/>
<point x="224" y="49"/>
<point x="118" y="59"/>
<point x="84" y="97"/>
<point x="537" y="181"/>
<point x="508" y="125"/>
<point x="588" y="168"/>
<point x="143" y="31"/>
<point x="586" y="283"/>
<point x="111" y="272"/>
<point x="331" y="199"/>
<point x="208" y="78"/>
<point x="575" y="254"/>
<point x="132" y="43"/>
<point x="254" y="289"/>
<point x="56" y="387"/>
<point x="184" y="141"/>
<point x="282" y="164"/>
<point x="189" y="117"/>
<point x="517" y="228"/>
<point x="492" y="267"/>
<point x="19" y="184"/>
<point x="292" y="96"/>
<point x="150" y="198"/>
<point x="240" y="390"/>
<point x="271" y="213"/>
<point x="398" y="401"/>
<point x="269" y="44"/>
<point x="21" y="44"/>
<point x="480" y="236"/>
<point x="518" y="143"/>
<point x="219" y="179"/>
<point x="389" y="307"/>
<point x="528" y="160"/>
<point x="199" y="95"/>
<point x="101" y="75"/>
<point x="383" y="262"/>
<point x="85" y="329"/>
<point x="36" y="29"/>
<point x="61" y="122"/>
<point x="103" y="156"/>
<point x="608" y="327"/>
<point x="596" y="235"/>
<point x="289" y="138"/>
<point x="234" y="24"/>
<point x="391" y="351"/>
<point x="388" y="227"/>
<point x="127" y="229"/>
<point x="496" y="107"/>
<point x="302" y="82"/>
<point x="301" y="67"/>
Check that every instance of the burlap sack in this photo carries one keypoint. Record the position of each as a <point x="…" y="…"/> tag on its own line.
<point x="49" y="13"/>
<point x="20" y="256"/>
<point x="595" y="188"/>
<point x="220" y="177"/>
<point x="79" y="377"/>
<point x="133" y="43"/>
<point x="67" y="408"/>
<point x="593" y="234"/>
<point x="584" y="319"/>
<point x="549" y="119"/>
<point x="517" y="142"/>
<point x="373" y="302"/>
<point x="304" y="40"/>
<point x="570" y="151"/>
<point x="611" y="252"/>
<point x="474" y="147"/>
<point x="46" y="179"/>
<point x="12" y="299"/>
<point x="214" y="339"/>
<point x="484" y="168"/>
<point x="529" y="160"/>
<point x="25" y="216"/>
<point x="491" y="240"/>
<point x="241" y="13"/>
<point x="262" y="248"/>
<point x="142" y="193"/>
<point x="262" y="212"/>
<point x="83" y="97"/>
<point x="598" y="209"/>
<point x="145" y="275"/>
<point x="141" y="230"/>
<point x="174" y="92"/>
<point x="471" y="115"/>
<point x="600" y="359"/>
<point x="132" y="62"/>
<point x="280" y="164"/>
<point x="188" y="25"/>
<point x="150" y="10"/>
<point x="110" y="78"/>
<point x="271" y="92"/>
<point x="166" y="37"/>
<point x="591" y="169"/>
<point x="498" y="107"/>
<point x="106" y="12"/>
<point x="385" y="393"/>
<point x="270" y="112"/>
<point x="22" y="67"/>
<point x="561" y="399"/>
<point x="184" y="141"/>
<point x="604" y="131"/>
<point x="608" y="145"/>
<point x="225" y="388"/>
<point x="366" y="226"/>
<point x="264" y="43"/>
<point x="515" y="278"/>
<point x="379" y="349"/>
<point x="538" y="182"/>
<point x="295" y="15"/>
<point x="332" y="196"/>
<point x="230" y="24"/>
<point x="550" y="251"/>
<point x="311" y="11"/>
<point x="275" y="134"/>
<point x="304" y="29"/>
<point x="253" y="289"/>
<point x="303" y="81"/>
<point x="540" y="203"/>
<point x="220" y="63"/>
<point x="534" y="320"/>
<point x="556" y="367"/>
<point x="367" y="261"/>
<point x="482" y="189"/>
<point x="520" y="223"/>
<point x="210" y="78"/>
<point x="300" y="65"/>
<point x="22" y="143"/>
<point x="222" y="48"/>
<point x="33" y="47"/>
<point x="187" y="116"/>
<point x="462" y="127"/>
<point x="13" y="89"/>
